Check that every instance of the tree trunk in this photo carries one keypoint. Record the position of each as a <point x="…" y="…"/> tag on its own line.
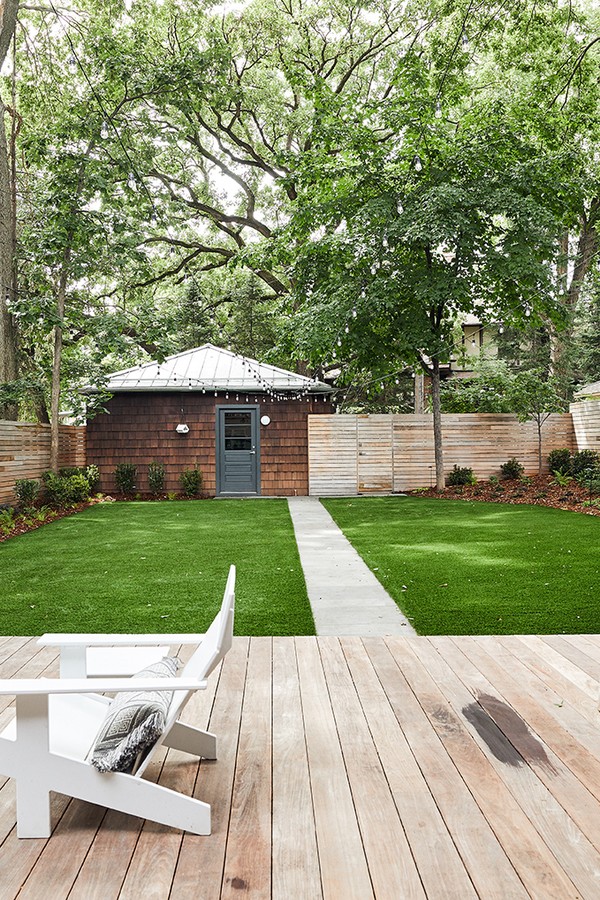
<point x="539" y="431"/>
<point x="8" y="329"/>
<point x="57" y="362"/>
<point x="436" y="405"/>
<point x="588" y="245"/>
<point x="61" y="295"/>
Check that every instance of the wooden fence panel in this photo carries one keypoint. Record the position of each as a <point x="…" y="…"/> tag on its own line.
<point x="332" y="455"/>
<point x="586" y="422"/>
<point x="25" y="452"/>
<point x="404" y="444"/>
<point x="375" y="462"/>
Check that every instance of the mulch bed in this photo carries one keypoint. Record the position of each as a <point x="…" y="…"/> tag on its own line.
<point x="24" y="527"/>
<point x="541" y="492"/>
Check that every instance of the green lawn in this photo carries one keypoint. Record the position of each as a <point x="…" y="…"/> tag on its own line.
<point x="480" y="568"/>
<point x="156" y="567"/>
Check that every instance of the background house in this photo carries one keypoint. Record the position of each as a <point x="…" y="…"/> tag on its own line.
<point x="241" y="422"/>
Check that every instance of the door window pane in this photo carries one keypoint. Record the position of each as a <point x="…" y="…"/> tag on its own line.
<point x="238" y="431"/>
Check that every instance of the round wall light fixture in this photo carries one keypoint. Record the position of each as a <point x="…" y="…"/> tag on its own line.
<point x="265" y="420"/>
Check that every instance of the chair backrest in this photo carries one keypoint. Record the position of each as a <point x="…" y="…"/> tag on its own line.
<point x="215" y="644"/>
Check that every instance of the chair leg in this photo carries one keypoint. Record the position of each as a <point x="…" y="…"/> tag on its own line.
<point x="191" y="740"/>
<point x="28" y="765"/>
<point x="130" y="794"/>
<point x="33" y="810"/>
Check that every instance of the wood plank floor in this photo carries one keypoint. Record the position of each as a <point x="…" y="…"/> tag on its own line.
<point x="353" y="768"/>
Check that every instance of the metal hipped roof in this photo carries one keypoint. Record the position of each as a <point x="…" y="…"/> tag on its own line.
<point x="588" y="390"/>
<point x="211" y="368"/>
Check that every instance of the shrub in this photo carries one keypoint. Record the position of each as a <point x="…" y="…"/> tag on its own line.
<point x="78" y="488"/>
<point x="584" y="459"/>
<point x="191" y="482"/>
<point x="589" y="479"/>
<point x="92" y="473"/>
<point x="67" y="471"/>
<point x="560" y="461"/>
<point x="494" y="480"/>
<point x="460" y="475"/>
<point x="26" y="490"/>
<point x="63" y="490"/>
<point x="512" y="468"/>
<point x="125" y="477"/>
<point x="156" y="477"/>
<point x="56" y="489"/>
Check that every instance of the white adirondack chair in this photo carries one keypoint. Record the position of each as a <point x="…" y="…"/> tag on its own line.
<point x="47" y="745"/>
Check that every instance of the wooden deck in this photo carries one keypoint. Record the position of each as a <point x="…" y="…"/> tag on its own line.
<point x="354" y="768"/>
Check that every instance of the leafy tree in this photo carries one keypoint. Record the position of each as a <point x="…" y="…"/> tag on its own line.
<point x="198" y="133"/>
<point x="487" y="392"/>
<point x="534" y="398"/>
<point x="387" y="254"/>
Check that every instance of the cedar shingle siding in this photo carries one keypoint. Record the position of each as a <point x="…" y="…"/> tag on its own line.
<point x="140" y="427"/>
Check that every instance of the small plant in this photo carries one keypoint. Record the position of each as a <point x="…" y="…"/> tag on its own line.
<point x="460" y="476"/>
<point x="494" y="480"/>
<point x="171" y="495"/>
<point x="584" y="459"/>
<point x="26" y="490"/>
<point x="44" y="514"/>
<point x="511" y="469"/>
<point x="560" y="479"/>
<point x="560" y="461"/>
<point x="156" y="477"/>
<point x="7" y="520"/>
<point x="125" y="477"/>
<point x="92" y="473"/>
<point x="595" y="504"/>
<point x="191" y="482"/>
<point x="525" y="480"/>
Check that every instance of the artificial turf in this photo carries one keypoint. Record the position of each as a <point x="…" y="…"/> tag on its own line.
<point x="457" y="567"/>
<point x="156" y="567"/>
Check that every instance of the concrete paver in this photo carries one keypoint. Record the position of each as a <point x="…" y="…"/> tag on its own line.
<point x="345" y="596"/>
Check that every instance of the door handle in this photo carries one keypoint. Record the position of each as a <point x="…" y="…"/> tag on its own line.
<point x="252" y="451"/>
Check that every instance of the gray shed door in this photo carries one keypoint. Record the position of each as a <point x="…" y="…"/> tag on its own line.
<point x="238" y="462"/>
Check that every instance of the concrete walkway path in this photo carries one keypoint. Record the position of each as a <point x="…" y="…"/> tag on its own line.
<point x="345" y="596"/>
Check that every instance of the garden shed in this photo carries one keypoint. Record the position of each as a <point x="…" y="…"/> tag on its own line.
<point x="243" y="423"/>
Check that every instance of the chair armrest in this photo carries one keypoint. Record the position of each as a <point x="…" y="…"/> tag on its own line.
<point x="20" y="686"/>
<point x="106" y="640"/>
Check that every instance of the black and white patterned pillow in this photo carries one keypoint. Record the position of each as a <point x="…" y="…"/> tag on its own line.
<point x="134" y="722"/>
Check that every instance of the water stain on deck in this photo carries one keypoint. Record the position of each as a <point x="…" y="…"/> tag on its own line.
<point x="505" y="733"/>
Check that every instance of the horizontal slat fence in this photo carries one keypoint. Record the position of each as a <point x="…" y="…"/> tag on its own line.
<point x="25" y="452"/>
<point x="378" y="454"/>
<point x="586" y="422"/>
